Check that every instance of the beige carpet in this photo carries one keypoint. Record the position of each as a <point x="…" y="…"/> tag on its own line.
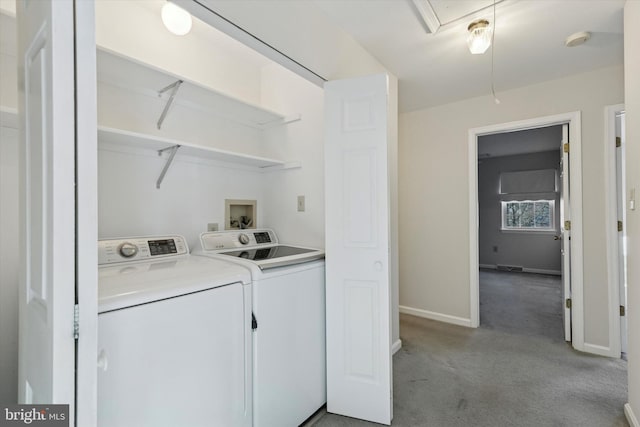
<point x="515" y="370"/>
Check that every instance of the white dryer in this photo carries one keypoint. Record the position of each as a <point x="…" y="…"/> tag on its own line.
<point x="174" y="336"/>
<point x="289" y="360"/>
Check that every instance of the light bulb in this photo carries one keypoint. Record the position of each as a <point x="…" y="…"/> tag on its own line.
<point x="176" y="19"/>
<point x="479" y="38"/>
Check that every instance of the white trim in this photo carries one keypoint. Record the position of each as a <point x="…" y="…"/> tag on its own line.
<point x="631" y="417"/>
<point x="543" y="271"/>
<point x="454" y="320"/>
<point x="526" y="270"/>
<point x="611" y="220"/>
<point x="397" y="345"/>
<point x="474" y="257"/>
<point x="574" y="120"/>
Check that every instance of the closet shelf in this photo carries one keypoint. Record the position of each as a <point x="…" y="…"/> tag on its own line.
<point x="124" y="138"/>
<point x="147" y="80"/>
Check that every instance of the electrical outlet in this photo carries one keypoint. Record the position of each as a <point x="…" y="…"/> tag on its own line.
<point x="300" y="203"/>
<point x="212" y="226"/>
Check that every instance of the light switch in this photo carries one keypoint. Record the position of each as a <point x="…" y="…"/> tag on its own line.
<point x="632" y="199"/>
<point x="300" y="203"/>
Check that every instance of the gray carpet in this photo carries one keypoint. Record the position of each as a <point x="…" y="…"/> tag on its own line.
<point x="515" y="370"/>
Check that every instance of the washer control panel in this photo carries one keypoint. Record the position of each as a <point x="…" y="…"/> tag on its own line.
<point x="112" y="251"/>
<point x="219" y="240"/>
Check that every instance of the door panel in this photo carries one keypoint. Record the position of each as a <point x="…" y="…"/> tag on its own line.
<point x="47" y="202"/>
<point x="359" y="361"/>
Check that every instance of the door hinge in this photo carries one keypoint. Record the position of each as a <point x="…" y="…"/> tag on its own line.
<point x="567" y="225"/>
<point x="254" y="322"/>
<point x="619" y="225"/>
<point x="567" y="303"/>
<point x="565" y="147"/>
<point x="76" y="321"/>
<point x="618" y="141"/>
<point x="622" y="311"/>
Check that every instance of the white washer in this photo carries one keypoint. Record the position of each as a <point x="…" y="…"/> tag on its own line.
<point x="289" y="363"/>
<point x="174" y="336"/>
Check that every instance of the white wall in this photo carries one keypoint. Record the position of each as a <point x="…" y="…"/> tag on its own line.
<point x="9" y="175"/>
<point x="134" y="29"/>
<point x="191" y="195"/>
<point x="434" y="176"/>
<point x="632" y="106"/>
<point x="298" y="141"/>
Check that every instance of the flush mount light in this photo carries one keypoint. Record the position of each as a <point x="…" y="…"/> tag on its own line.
<point x="576" y="39"/>
<point x="176" y="19"/>
<point x="479" y="38"/>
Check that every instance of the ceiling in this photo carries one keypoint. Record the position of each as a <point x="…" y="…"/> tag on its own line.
<point x="435" y="69"/>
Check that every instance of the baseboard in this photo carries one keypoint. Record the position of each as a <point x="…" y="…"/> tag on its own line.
<point x="461" y="321"/>
<point x="396" y="346"/>
<point x="526" y="270"/>
<point x="543" y="271"/>
<point x="600" y="350"/>
<point x="631" y="417"/>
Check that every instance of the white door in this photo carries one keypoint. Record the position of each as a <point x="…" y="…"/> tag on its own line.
<point x="48" y="204"/>
<point x="622" y="217"/>
<point x="565" y="226"/>
<point x="359" y="374"/>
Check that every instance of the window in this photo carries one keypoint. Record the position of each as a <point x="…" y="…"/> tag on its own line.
<point x="528" y="215"/>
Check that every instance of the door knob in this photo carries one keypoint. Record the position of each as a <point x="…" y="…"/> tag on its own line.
<point x="557" y="237"/>
<point x="377" y="265"/>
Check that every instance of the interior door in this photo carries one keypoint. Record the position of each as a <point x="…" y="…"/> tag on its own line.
<point x="359" y="364"/>
<point x="47" y="202"/>
<point x="565" y="226"/>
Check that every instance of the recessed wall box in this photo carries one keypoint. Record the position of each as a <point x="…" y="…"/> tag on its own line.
<point x="240" y="214"/>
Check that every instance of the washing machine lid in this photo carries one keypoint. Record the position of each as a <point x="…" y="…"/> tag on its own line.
<point x="130" y="284"/>
<point x="260" y="247"/>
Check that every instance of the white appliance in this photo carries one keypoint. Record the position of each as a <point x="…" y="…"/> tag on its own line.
<point x="174" y="336"/>
<point x="289" y="361"/>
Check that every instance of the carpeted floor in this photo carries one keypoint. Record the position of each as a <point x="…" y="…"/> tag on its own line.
<point x="515" y="370"/>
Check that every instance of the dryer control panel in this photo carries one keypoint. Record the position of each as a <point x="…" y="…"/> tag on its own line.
<point x="128" y="249"/>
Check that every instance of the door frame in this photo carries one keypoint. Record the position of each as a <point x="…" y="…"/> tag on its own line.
<point x="575" y="171"/>
<point x="611" y="218"/>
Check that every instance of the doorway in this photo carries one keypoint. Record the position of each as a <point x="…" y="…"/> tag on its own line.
<point x="574" y="309"/>
<point x="520" y="232"/>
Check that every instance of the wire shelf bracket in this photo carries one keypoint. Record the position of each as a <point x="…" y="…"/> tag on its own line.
<point x="172" y="153"/>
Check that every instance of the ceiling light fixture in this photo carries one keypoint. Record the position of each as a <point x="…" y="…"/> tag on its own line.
<point x="479" y="38"/>
<point x="576" y="39"/>
<point x="176" y="19"/>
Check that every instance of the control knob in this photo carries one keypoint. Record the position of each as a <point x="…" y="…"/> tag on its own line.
<point x="128" y="250"/>
<point x="243" y="238"/>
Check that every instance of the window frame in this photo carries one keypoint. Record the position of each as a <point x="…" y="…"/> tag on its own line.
<point x="534" y="229"/>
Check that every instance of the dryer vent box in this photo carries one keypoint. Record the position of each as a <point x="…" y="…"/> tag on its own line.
<point x="240" y="214"/>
